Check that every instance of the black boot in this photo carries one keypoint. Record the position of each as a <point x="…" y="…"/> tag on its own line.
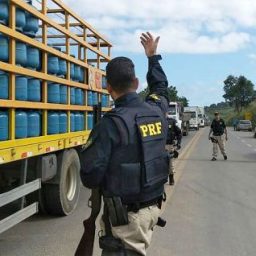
<point x="171" y="179"/>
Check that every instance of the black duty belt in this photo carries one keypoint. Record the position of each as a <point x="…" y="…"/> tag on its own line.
<point x="135" y="207"/>
<point x="217" y="134"/>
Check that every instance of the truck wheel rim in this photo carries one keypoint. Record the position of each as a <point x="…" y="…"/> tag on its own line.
<point x="71" y="183"/>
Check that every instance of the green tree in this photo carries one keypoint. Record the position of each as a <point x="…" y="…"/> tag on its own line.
<point x="184" y="101"/>
<point x="239" y="92"/>
<point x="172" y="93"/>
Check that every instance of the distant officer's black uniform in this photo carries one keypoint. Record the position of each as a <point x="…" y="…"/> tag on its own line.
<point x="174" y="132"/>
<point x="174" y="135"/>
<point x="218" y="127"/>
<point x="125" y="154"/>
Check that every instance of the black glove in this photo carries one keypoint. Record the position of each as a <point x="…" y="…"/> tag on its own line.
<point x="178" y="146"/>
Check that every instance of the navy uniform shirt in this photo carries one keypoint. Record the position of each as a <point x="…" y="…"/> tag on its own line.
<point x="218" y="127"/>
<point x="96" y="154"/>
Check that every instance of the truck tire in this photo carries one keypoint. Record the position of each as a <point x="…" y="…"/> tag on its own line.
<point x="62" y="194"/>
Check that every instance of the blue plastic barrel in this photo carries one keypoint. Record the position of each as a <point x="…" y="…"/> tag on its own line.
<point x="21" y="125"/>
<point x="103" y="100"/>
<point x="4" y="85"/>
<point x="4" y="125"/>
<point x="89" y="121"/>
<point x="4" y="46"/>
<point x="94" y="98"/>
<point x="83" y="97"/>
<point x="63" y="94"/>
<point x="21" y="53"/>
<point x="78" y="122"/>
<point x="89" y="98"/>
<point x="82" y="121"/>
<point x="79" y="96"/>
<point x="77" y="75"/>
<point x="104" y="82"/>
<point x="53" y="64"/>
<point x="72" y="96"/>
<point x="62" y="67"/>
<point x="34" y="124"/>
<point x="63" y="122"/>
<point x="21" y="88"/>
<point x="34" y="89"/>
<point x="53" y="93"/>
<point x="72" y="122"/>
<point x="53" y="123"/>
<point x="33" y="57"/>
<point x="81" y="80"/>
<point x="32" y="24"/>
<point x="72" y="71"/>
<point x="20" y="19"/>
<point x="4" y="12"/>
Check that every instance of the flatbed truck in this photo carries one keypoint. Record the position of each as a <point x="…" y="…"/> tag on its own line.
<point x="42" y="172"/>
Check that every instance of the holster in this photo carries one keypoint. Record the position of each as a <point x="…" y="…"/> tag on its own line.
<point x="117" y="212"/>
<point x="110" y="243"/>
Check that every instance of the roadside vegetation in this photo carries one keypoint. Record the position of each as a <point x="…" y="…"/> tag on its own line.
<point x="240" y="101"/>
<point x="228" y="113"/>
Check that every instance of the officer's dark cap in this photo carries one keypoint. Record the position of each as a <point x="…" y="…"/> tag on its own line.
<point x="120" y="73"/>
<point x="216" y="113"/>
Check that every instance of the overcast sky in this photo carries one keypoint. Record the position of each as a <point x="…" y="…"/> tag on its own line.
<point x="202" y="41"/>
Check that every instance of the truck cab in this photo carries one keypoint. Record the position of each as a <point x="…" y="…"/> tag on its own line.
<point x="174" y="111"/>
<point x="194" y="122"/>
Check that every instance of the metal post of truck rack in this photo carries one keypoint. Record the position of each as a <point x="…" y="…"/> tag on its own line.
<point x="23" y="179"/>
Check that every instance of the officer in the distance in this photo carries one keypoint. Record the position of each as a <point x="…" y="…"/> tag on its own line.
<point x="125" y="155"/>
<point x="173" y="142"/>
<point x="218" y="128"/>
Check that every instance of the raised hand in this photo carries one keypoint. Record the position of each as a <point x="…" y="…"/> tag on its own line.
<point x="149" y="43"/>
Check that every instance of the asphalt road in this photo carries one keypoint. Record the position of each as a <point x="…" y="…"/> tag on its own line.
<point x="210" y="211"/>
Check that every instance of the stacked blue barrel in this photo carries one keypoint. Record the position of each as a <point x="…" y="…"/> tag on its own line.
<point x="104" y="100"/>
<point x="58" y="122"/>
<point x="79" y="121"/>
<point x="104" y="82"/>
<point x="4" y="125"/>
<point x="28" y="123"/>
<point x="89" y="121"/>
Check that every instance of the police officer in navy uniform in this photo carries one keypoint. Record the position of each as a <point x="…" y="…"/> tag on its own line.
<point x="125" y="154"/>
<point x="173" y="143"/>
<point x="218" y="128"/>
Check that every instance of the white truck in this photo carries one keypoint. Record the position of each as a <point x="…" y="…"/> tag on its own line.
<point x="201" y="116"/>
<point x="176" y="111"/>
<point x="194" y="122"/>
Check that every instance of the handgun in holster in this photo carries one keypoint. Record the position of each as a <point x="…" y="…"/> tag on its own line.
<point x="213" y="140"/>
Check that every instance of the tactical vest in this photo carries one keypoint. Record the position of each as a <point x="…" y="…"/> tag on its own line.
<point x="218" y="127"/>
<point x="139" y="166"/>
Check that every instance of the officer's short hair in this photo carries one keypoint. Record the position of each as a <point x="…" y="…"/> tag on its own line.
<point x="120" y="73"/>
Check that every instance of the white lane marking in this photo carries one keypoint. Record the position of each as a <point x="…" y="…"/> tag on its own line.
<point x="249" y="145"/>
<point x="243" y="141"/>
